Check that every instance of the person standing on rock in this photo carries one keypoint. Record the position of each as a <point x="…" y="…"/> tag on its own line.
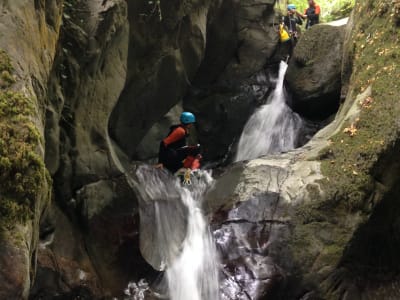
<point x="174" y="153"/>
<point x="291" y="21"/>
<point x="288" y="32"/>
<point x="311" y="14"/>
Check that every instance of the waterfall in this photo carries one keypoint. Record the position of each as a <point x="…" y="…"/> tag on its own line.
<point x="273" y="128"/>
<point x="191" y="265"/>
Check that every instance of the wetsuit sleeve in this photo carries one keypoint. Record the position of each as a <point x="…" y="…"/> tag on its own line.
<point x="286" y="21"/>
<point x="176" y="135"/>
<point x="299" y="21"/>
<point x="317" y="10"/>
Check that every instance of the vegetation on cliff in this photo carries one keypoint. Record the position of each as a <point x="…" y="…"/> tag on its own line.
<point x="22" y="171"/>
<point x="350" y="160"/>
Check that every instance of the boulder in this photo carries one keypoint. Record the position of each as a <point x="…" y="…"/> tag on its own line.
<point x="314" y="72"/>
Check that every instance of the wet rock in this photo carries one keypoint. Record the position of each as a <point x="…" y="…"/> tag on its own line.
<point x="64" y="267"/>
<point x="314" y="72"/>
<point x="252" y="224"/>
<point x="110" y="214"/>
<point x="243" y="240"/>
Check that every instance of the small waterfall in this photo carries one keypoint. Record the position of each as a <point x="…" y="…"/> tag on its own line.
<point x="192" y="265"/>
<point x="273" y="128"/>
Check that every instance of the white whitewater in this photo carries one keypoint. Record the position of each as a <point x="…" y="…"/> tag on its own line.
<point x="191" y="265"/>
<point x="194" y="274"/>
<point x="273" y="128"/>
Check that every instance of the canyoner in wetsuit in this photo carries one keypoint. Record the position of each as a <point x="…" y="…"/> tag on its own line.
<point x="311" y="14"/>
<point x="288" y="33"/>
<point x="174" y="153"/>
<point x="291" y="21"/>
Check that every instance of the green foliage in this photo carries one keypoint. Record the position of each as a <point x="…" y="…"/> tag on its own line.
<point x="22" y="171"/>
<point x="5" y="62"/>
<point x="5" y="70"/>
<point x="330" y="9"/>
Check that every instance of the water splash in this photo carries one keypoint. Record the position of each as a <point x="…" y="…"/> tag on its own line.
<point x="273" y="128"/>
<point x="136" y="291"/>
<point x="192" y="265"/>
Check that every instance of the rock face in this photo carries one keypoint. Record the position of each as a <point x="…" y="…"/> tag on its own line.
<point x="87" y="79"/>
<point x="201" y="52"/>
<point x="314" y="72"/>
<point x="231" y="80"/>
<point x="166" y="47"/>
<point x="288" y="226"/>
<point x="24" y="184"/>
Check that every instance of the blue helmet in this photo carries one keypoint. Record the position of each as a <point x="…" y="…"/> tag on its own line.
<point x="187" y="118"/>
<point x="291" y="6"/>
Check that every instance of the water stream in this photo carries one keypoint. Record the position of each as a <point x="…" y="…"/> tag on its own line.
<point x="181" y="240"/>
<point x="190" y="260"/>
<point x="273" y="128"/>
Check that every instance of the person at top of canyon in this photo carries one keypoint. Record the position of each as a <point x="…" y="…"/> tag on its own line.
<point x="311" y="14"/>
<point x="291" y="21"/>
<point x="174" y="153"/>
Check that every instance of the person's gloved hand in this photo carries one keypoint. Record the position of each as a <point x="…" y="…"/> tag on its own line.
<point x="193" y="149"/>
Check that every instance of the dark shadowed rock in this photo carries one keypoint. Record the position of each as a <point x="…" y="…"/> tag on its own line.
<point x="63" y="266"/>
<point x="110" y="215"/>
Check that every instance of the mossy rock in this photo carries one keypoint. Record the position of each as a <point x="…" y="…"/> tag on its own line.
<point x="5" y="62"/>
<point x="6" y="69"/>
<point x="23" y="175"/>
<point x="350" y="161"/>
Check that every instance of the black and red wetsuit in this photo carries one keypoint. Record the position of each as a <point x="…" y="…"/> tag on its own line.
<point x="173" y="150"/>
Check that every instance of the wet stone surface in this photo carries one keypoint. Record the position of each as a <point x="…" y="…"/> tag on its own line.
<point x="247" y="237"/>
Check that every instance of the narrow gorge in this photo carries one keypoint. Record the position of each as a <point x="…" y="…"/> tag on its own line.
<point x="297" y="198"/>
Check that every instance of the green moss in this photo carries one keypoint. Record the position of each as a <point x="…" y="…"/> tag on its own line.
<point x="5" y="62"/>
<point x="349" y="160"/>
<point x="23" y="175"/>
<point x="6" y="68"/>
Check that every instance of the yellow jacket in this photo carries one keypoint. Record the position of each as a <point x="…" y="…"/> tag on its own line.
<point x="283" y="34"/>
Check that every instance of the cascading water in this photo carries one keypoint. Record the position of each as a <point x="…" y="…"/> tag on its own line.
<point x="273" y="128"/>
<point x="192" y="265"/>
